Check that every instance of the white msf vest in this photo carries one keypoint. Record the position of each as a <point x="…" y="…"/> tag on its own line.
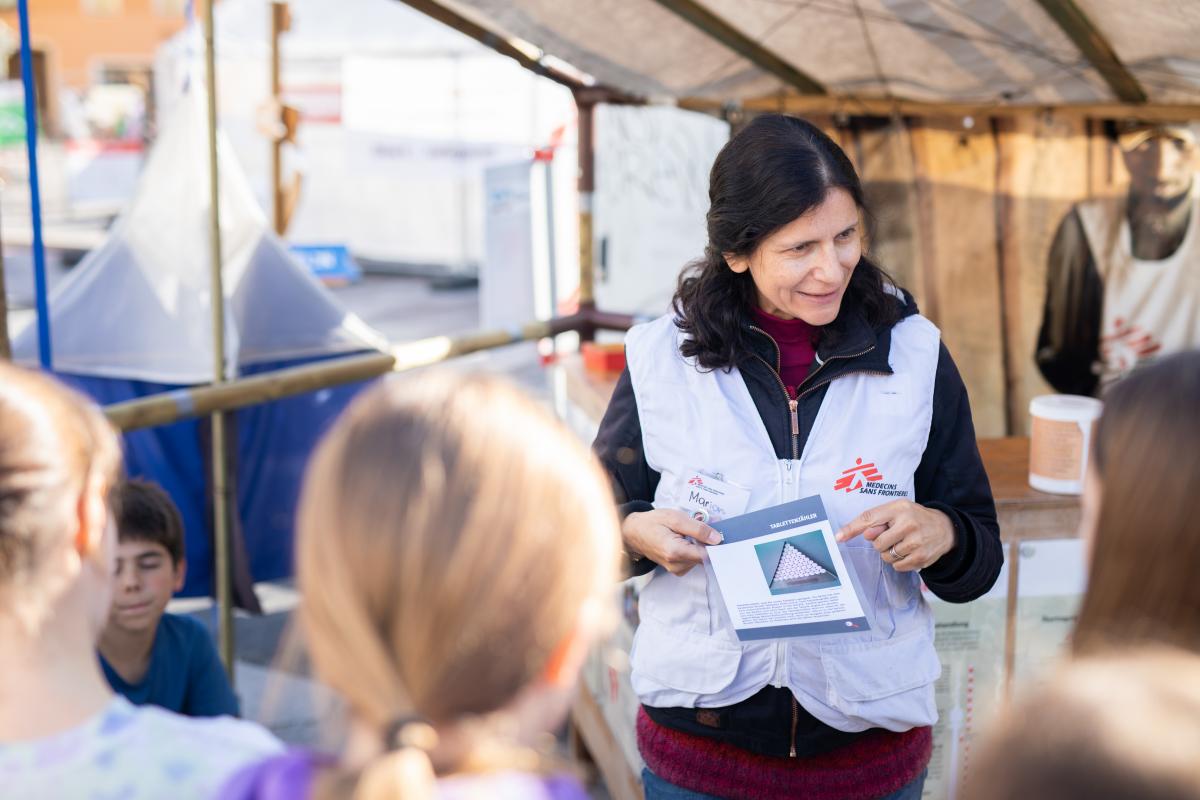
<point x="863" y="451"/>
<point x="1151" y="308"/>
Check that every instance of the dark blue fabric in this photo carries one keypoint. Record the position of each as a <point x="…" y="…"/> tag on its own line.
<point x="274" y="442"/>
<point x="184" y="675"/>
<point x="170" y="456"/>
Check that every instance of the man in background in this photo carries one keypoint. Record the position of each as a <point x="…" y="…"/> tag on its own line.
<point x="1123" y="278"/>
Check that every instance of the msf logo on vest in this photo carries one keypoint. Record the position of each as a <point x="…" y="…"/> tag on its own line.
<point x="866" y="479"/>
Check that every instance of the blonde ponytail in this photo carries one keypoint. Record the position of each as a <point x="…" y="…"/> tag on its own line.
<point x="450" y="534"/>
<point x="405" y="774"/>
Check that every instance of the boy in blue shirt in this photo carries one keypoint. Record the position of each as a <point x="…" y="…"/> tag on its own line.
<point x="149" y="656"/>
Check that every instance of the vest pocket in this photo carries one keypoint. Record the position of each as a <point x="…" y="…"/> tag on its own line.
<point x="885" y="683"/>
<point x="684" y="660"/>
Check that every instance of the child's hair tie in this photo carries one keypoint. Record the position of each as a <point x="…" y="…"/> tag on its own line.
<point x="410" y="731"/>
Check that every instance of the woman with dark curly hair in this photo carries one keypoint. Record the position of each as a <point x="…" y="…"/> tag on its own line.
<point x="793" y="366"/>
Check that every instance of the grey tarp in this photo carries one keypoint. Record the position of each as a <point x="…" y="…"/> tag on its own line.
<point x="937" y="51"/>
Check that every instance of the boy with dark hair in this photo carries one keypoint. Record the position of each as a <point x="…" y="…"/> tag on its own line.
<point x="149" y="656"/>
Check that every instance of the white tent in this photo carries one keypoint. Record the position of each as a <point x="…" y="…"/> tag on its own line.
<point x="134" y="319"/>
<point x="139" y="307"/>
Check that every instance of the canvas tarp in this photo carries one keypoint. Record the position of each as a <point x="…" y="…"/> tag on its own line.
<point x="938" y="51"/>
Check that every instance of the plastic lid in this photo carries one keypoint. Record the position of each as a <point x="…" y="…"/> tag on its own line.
<point x="1066" y="407"/>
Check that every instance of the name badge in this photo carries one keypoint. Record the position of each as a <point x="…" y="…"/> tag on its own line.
<point x="708" y="498"/>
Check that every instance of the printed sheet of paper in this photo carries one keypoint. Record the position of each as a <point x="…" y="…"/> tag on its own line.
<point x="1051" y="577"/>
<point x="780" y="574"/>
<point x="969" y="639"/>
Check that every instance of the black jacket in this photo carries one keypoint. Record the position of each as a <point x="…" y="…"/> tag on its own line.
<point x="1068" y="346"/>
<point x="950" y="478"/>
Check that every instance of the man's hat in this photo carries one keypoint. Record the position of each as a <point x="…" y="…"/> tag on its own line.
<point x="1131" y="133"/>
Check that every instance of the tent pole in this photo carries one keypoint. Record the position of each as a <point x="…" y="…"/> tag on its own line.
<point x="35" y="196"/>
<point x="587" y="187"/>
<point x="221" y="543"/>
<point x="278" y="25"/>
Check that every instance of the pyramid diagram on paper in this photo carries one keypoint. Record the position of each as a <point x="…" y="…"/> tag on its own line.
<point x="797" y="569"/>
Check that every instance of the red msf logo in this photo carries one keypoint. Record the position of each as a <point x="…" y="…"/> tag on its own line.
<point x="1125" y="345"/>
<point x="857" y="476"/>
<point x="696" y="481"/>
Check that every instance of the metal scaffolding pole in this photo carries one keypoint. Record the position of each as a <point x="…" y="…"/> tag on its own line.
<point x="222" y="576"/>
<point x="35" y="195"/>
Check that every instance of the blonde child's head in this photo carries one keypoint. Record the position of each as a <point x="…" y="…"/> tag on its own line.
<point x="457" y="550"/>
<point x="58" y="459"/>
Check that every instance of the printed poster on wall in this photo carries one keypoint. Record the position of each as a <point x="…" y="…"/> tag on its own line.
<point x="1050" y="581"/>
<point x="969" y="638"/>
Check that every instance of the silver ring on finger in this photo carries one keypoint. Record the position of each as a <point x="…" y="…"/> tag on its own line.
<point x="895" y="556"/>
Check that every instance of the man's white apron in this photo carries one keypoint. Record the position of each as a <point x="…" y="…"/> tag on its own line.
<point x="1151" y="308"/>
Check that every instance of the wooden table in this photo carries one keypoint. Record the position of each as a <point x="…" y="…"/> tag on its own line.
<point x="1024" y="512"/>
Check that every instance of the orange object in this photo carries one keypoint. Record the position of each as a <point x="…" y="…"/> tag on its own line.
<point x="603" y="359"/>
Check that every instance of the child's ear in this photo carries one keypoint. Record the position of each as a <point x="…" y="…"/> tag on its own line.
<point x="92" y="519"/>
<point x="180" y="575"/>
<point x="567" y="658"/>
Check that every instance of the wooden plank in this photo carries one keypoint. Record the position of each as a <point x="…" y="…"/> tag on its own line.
<point x="882" y="153"/>
<point x="589" y="721"/>
<point x="718" y="29"/>
<point x="1043" y="171"/>
<point x="1095" y="48"/>
<point x="955" y="168"/>
<point x="529" y="56"/>
<point x="1010" y="623"/>
<point x="792" y="103"/>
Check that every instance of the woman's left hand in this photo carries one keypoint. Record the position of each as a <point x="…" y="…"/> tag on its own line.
<point x="907" y="535"/>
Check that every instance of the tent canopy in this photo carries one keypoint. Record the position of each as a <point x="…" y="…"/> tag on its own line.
<point x="154" y="269"/>
<point x="1002" y="52"/>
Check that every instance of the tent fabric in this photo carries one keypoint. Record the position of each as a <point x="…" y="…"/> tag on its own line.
<point x="273" y="444"/>
<point x="155" y="268"/>
<point x="950" y="51"/>
<point x="133" y="320"/>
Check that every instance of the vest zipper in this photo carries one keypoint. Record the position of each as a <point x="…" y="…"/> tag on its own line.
<point x="816" y="386"/>
<point x="794" y="405"/>
<point x="795" y="723"/>
<point x="822" y="365"/>
<point x="793" y="414"/>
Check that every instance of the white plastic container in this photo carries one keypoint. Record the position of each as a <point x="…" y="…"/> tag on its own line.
<point x="1060" y="441"/>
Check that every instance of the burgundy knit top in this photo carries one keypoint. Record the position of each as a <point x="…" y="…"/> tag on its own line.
<point x="797" y="346"/>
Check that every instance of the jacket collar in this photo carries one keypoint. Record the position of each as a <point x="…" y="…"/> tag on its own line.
<point x="855" y="344"/>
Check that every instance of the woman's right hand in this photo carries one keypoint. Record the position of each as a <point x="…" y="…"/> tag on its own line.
<point x="659" y="535"/>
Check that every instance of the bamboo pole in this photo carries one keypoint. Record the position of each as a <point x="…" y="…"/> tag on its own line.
<point x="169" y="407"/>
<point x="278" y="25"/>
<point x="222" y="575"/>
<point x="587" y="188"/>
